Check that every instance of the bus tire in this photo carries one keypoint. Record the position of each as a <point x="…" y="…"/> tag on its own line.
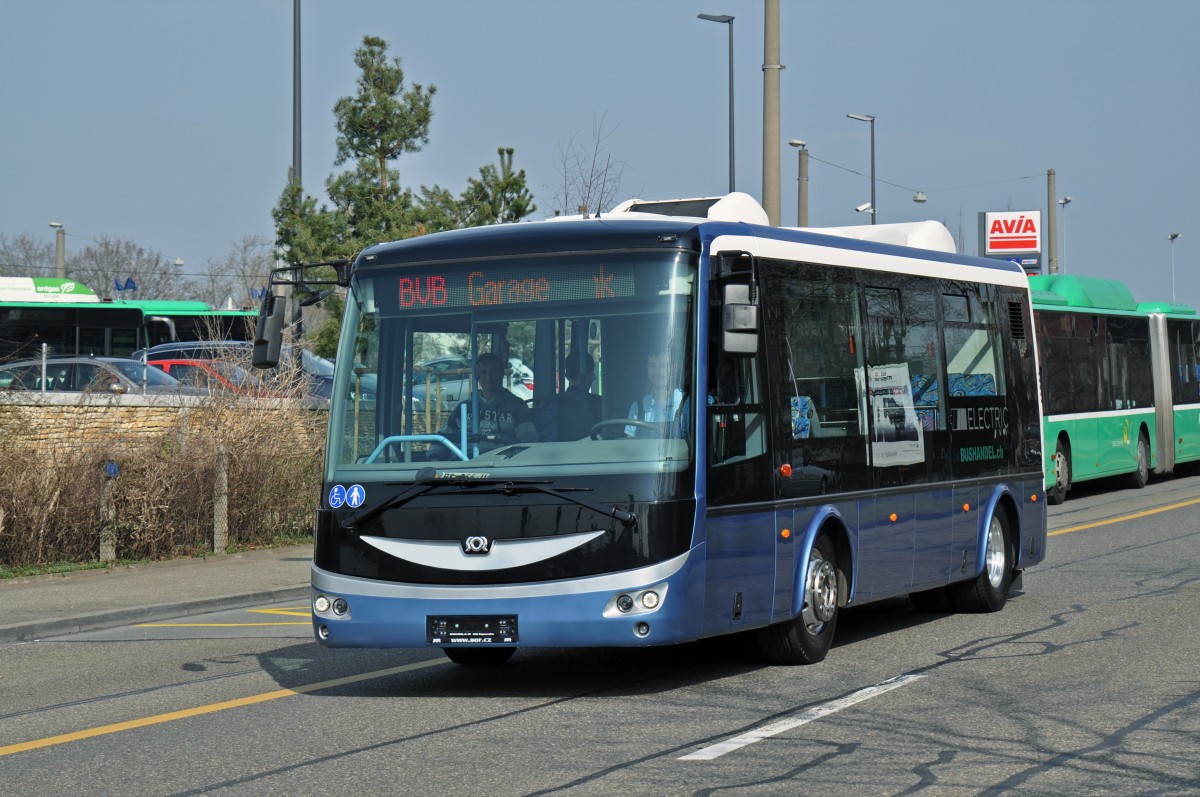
<point x="1141" y="475"/>
<point x="479" y="656"/>
<point x="806" y="639"/>
<point x="988" y="592"/>
<point x="1062" y="474"/>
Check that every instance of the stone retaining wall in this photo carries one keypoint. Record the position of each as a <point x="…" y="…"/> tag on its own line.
<point x="60" y="420"/>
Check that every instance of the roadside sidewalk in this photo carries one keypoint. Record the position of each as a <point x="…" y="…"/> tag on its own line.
<point x="67" y="603"/>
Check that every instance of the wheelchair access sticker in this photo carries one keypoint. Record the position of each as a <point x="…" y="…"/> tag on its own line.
<point x="353" y="495"/>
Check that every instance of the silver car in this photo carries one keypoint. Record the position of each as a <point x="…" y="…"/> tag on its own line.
<point x="92" y="375"/>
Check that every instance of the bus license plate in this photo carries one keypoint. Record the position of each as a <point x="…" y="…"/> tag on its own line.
<point x="471" y="630"/>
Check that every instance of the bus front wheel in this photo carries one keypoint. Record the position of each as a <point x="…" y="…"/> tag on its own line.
<point x="1062" y="474"/>
<point x="807" y="638"/>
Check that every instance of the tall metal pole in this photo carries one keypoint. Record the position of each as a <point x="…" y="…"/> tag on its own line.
<point x="725" y="19"/>
<point x="296" y="92"/>
<point x="1172" y="238"/>
<point x="731" y="149"/>
<point x="1051" y="224"/>
<point x="60" y="249"/>
<point x="862" y="117"/>
<point x="801" y="182"/>
<point x="803" y="217"/>
<point x="1064" y="202"/>
<point x="771" y="139"/>
<point x="874" y="207"/>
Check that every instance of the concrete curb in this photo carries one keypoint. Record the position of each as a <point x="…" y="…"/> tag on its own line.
<point x="40" y="629"/>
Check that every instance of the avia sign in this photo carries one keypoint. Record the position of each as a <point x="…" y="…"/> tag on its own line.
<point x="1012" y="232"/>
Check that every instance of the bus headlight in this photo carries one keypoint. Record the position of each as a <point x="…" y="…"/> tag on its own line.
<point x="640" y="601"/>
<point x="321" y="604"/>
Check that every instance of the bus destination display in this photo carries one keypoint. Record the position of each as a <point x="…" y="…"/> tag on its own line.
<point x="488" y="286"/>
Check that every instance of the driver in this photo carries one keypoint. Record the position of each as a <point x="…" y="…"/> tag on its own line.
<point x="661" y="404"/>
<point x="504" y="419"/>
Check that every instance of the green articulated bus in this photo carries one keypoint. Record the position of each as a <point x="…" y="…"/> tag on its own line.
<point x="70" y="318"/>
<point x="1120" y="382"/>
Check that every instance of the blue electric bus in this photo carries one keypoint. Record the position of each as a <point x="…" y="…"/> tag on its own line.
<point x="845" y="421"/>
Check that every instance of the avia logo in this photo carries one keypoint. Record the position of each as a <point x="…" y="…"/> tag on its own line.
<point x="478" y="546"/>
<point x="1019" y="225"/>
<point x="1013" y="232"/>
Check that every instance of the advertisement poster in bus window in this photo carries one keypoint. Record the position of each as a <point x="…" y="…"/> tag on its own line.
<point x="896" y="437"/>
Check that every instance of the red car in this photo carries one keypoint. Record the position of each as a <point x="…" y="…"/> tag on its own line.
<point x="215" y="375"/>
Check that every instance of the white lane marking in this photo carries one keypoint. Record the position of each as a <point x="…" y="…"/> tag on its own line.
<point x="800" y="718"/>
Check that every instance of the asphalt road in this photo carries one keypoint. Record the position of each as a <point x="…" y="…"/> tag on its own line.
<point x="1088" y="683"/>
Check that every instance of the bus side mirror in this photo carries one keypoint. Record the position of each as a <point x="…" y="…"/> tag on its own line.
<point x="343" y="269"/>
<point x="268" y="331"/>
<point x="739" y="321"/>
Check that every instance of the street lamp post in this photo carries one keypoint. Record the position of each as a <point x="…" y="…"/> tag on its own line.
<point x="725" y="19"/>
<point x="60" y="249"/>
<point x="862" y="117"/>
<point x="1063" y="204"/>
<point x="1172" y="238"/>
<point x="802" y="183"/>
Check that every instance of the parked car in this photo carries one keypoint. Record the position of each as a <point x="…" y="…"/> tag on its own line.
<point x="93" y="374"/>
<point x="317" y="370"/>
<point x="216" y="375"/>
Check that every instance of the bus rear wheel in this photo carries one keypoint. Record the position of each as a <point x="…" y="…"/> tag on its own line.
<point x="1140" y="476"/>
<point x="807" y="638"/>
<point x="1062" y="474"/>
<point x="479" y="656"/>
<point x="988" y="592"/>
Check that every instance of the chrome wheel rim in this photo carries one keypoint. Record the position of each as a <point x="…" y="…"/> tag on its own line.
<point x="820" y="600"/>
<point x="995" y="557"/>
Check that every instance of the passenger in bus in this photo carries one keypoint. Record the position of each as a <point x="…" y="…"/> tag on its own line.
<point x="577" y="408"/>
<point x="504" y="419"/>
<point x="661" y="405"/>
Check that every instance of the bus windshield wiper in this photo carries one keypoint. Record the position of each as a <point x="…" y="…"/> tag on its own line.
<point x="363" y="515"/>
<point x="518" y="487"/>
<point x="419" y="488"/>
<point x="504" y="486"/>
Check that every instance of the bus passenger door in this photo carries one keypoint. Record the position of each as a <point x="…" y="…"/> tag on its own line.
<point x="740" y="528"/>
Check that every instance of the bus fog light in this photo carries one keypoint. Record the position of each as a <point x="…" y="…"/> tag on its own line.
<point x="650" y="599"/>
<point x="321" y="604"/>
<point x="642" y="629"/>
<point x="323" y="632"/>
<point x="624" y="603"/>
<point x="340" y="607"/>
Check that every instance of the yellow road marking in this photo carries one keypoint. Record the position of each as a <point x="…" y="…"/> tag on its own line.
<point x="171" y="716"/>
<point x="289" y="611"/>
<point x="1123" y="518"/>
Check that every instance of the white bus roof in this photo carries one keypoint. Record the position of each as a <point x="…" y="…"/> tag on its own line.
<point x="738" y="206"/>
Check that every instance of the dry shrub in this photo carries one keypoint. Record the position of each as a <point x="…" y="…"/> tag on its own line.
<point x="52" y="501"/>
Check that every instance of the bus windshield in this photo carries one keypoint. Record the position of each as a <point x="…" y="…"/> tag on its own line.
<point x="539" y="368"/>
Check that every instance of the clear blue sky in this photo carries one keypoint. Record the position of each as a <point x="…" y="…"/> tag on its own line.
<point x="169" y="122"/>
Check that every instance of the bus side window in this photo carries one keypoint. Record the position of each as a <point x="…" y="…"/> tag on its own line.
<point x="814" y="344"/>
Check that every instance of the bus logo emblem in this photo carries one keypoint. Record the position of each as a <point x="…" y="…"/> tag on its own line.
<point x="477" y="545"/>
